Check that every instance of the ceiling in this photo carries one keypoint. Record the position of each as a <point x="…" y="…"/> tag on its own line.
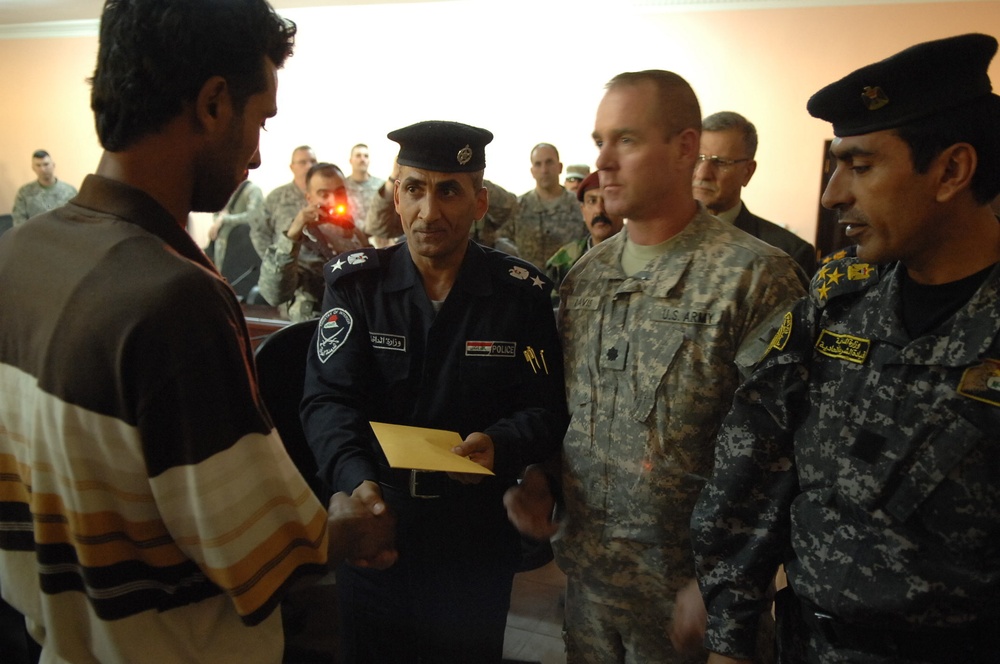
<point x="43" y="11"/>
<point x="14" y="12"/>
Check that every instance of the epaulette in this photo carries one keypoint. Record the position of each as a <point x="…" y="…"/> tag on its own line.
<point x="520" y="272"/>
<point x="840" y="276"/>
<point x="846" y="252"/>
<point x="350" y="262"/>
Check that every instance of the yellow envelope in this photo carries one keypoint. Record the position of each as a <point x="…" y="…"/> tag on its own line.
<point x="423" y="449"/>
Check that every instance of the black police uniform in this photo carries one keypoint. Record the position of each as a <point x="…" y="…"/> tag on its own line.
<point x="488" y="360"/>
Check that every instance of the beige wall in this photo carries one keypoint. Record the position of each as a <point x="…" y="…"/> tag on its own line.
<point x="525" y="76"/>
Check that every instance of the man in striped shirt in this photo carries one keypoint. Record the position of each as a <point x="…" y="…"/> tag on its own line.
<point x="148" y="510"/>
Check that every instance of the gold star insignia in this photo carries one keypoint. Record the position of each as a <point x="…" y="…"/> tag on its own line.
<point x="822" y="273"/>
<point x="835" y="276"/>
<point x="823" y="291"/>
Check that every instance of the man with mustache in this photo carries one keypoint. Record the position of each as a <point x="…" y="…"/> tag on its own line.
<point x="725" y="165"/>
<point x="600" y="226"/>
<point x="441" y="332"/>
<point x="863" y="452"/>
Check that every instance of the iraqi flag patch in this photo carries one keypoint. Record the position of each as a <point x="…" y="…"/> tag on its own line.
<point x="334" y="328"/>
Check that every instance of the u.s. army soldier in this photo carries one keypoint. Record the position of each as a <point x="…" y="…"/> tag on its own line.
<point x="654" y="321"/>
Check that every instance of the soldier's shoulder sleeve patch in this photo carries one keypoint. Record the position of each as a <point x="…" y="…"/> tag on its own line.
<point x="841" y="276"/>
<point x="350" y="262"/>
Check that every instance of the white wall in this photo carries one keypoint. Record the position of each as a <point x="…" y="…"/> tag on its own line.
<point x="527" y="71"/>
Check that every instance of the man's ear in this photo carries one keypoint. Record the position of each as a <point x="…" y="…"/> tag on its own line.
<point x="213" y="106"/>
<point x="955" y="166"/>
<point x="689" y="142"/>
<point x="482" y="203"/>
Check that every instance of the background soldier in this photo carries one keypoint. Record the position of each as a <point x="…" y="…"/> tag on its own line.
<point x="46" y="193"/>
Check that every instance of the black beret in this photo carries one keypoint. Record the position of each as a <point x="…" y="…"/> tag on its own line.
<point x="445" y="147"/>
<point x="922" y="81"/>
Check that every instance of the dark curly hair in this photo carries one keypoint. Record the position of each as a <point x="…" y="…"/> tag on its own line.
<point x="154" y="55"/>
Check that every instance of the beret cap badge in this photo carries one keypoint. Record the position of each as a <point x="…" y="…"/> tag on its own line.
<point x="874" y="98"/>
<point x="930" y="81"/>
<point x="464" y="155"/>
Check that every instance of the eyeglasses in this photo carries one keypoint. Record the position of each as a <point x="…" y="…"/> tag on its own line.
<point x="718" y="162"/>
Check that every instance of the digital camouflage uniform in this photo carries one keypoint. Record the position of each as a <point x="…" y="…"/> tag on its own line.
<point x="243" y="206"/>
<point x="291" y="275"/>
<point x="33" y="198"/>
<point x="280" y="208"/>
<point x="869" y="463"/>
<point x="541" y="227"/>
<point x="651" y="368"/>
<point x="359" y="197"/>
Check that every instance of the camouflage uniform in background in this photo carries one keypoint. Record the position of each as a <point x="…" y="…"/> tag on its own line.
<point x="280" y="208"/>
<point x="884" y="452"/>
<point x="360" y="196"/>
<point x="383" y="221"/>
<point x="541" y="227"/>
<point x="651" y="369"/>
<point x="291" y="274"/>
<point x="244" y="205"/>
<point x="557" y="267"/>
<point x="33" y="199"/>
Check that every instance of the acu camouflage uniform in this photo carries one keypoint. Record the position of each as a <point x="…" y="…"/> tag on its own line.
<point x="280" y="208"/>
<point x="360" y="196"/>
<point x="291" y="273"/>
<point x="243" y="206"/>
<point x="541" y="227"/>
<point x="33" y="199"/>
<point x="651" y="369"/>
<point x="868" y="462"/>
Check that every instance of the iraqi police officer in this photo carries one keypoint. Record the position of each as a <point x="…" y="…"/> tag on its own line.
<point x="864" y="450"/>
<point x="436" y="332"/>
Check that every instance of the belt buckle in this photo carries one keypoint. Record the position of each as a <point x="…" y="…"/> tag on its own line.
<point x="415" y="489"/>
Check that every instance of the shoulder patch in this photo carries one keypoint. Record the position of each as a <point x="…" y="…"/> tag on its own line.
<point x="349" y="262"/>
<point x="841" y="276"/>
<point x="517" y="271"/>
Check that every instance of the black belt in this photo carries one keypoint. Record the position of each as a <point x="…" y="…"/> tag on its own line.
<point x="966" y="645"/>
<point x="417" y="483"/>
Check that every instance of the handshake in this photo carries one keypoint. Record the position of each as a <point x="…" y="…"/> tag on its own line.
<point x="362" y="529"/>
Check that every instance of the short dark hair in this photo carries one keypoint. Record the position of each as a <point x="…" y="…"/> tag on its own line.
<point x="726" y="120"/>
<point x="678" y="105"/>
<point x="326" y="169"/>
<point x="39" y="154"/>
<point x="154" y="55"/>
<point x="359" y="145"/>
<point x="544" y="145"/>
<point x="975" y="124"/>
